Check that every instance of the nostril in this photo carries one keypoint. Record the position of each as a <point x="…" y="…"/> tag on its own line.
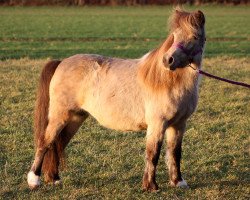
<point x="171" y="60"/>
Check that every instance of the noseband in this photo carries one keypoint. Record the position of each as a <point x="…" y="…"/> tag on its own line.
<point x="186" y="52"/>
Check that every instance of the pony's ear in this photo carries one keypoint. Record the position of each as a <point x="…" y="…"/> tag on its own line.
<point x="201" y="17"/>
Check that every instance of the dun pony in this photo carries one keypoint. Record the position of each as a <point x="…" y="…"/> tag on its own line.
<point x="157" y="92"/>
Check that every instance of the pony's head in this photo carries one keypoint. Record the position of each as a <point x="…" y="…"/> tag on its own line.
<point x="183" y="46"/>
<point x="187" y="34"/>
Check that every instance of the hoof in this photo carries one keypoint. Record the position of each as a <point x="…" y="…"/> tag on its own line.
<point x="57" y="182"/>
<point x="180" y="184"/>
<point x="150" y="187"/>
<point x="33" y="180"/>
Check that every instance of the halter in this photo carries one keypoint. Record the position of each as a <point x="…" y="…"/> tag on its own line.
<point x="185" y="51"/>
<point x="199" y="71"/>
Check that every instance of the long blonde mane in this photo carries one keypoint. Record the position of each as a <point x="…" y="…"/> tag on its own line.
<point x="152" y="71"/>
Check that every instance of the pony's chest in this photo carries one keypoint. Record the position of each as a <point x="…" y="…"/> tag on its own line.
<point x="181" y="106"/>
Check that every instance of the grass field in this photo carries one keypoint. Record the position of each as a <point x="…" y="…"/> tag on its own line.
<point x="124" y="32"/>
<point x="105" y="164"/>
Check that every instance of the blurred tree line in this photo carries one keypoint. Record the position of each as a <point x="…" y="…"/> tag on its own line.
<point x="117" y="2"/>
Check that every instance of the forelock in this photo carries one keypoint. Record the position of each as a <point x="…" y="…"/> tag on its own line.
<point x="185" y="21"/>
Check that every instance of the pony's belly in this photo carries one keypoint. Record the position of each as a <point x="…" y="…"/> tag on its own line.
<point x="118" y="119"/>
<point x="123" y="125"/>
<point x="119" y="122"/>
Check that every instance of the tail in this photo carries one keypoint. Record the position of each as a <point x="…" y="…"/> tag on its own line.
<point x="52" y="156"/>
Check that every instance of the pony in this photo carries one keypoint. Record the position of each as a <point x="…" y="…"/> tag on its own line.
<point x="157" y="93"/>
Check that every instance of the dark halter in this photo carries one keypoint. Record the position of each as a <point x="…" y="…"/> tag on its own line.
<point x="188" y="53"/>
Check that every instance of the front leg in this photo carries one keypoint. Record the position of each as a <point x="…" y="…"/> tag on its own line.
<point x="173" y="155"/>
<point x="155" y="135"/>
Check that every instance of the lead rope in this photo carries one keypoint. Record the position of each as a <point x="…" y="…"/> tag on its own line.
<point x="219" y="78"/>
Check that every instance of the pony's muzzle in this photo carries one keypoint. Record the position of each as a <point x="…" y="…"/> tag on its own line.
<point x="169" y="62"/>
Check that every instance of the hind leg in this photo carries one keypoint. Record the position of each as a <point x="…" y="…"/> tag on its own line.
<point x="53" y="157"/>
<point x="56" y="123"/>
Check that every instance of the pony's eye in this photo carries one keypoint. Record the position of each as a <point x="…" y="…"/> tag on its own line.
<point x="195" y="38"/>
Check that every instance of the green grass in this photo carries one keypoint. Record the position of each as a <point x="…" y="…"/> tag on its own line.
<point x="63" y="31"/>
<point x="105" y="164"/>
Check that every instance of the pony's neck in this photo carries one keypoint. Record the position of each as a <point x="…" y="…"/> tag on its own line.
<point x="154" y="76"/>
<point x="185" y="79"/>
